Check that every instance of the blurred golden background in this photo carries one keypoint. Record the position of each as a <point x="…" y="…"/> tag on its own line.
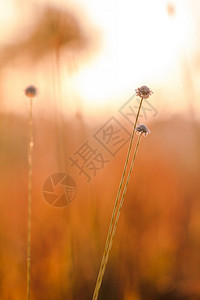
<point x="87" y="57"/>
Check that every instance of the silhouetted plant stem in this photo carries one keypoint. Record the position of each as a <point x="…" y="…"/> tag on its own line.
<point x="106" y="249"/>
<point x="118" y="214"/>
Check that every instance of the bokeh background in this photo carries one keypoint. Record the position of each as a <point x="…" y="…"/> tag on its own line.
<point x="87" y="57"/>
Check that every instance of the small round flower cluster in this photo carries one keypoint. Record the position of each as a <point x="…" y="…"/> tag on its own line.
<point x="143" y="92"/>
<point x="30" y="91"/>
<point x="142" y="129"/>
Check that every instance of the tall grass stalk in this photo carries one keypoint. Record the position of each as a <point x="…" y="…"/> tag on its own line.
<point x="99" y="278"/>
<point x="114" y="226"/>
<point x="118" y="214"/>
<point x="29" y="196"/>
<point x="30" y="92"/>
<point x="143" y="92"/>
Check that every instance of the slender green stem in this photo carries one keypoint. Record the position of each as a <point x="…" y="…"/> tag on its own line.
<point x="29" y="197"/>
<point x="99" y="278"/>
<point x="119" y="209"/>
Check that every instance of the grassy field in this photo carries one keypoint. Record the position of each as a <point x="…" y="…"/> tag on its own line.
<point x="86" y="67"/>
<point x="156" y="250"/>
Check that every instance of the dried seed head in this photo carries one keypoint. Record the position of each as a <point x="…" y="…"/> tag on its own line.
<point x="30" y="91"/>
<point x="143" y="92"/>
<point x="142" y="129"/>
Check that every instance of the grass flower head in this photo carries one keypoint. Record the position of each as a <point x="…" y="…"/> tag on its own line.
<point x="30" y="91"/>
<point x="143" y="92"/>
<point x="142" y="129"/>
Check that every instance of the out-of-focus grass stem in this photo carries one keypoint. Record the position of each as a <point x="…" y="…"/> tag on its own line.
<point x="29" y="196"/>
<point x="30" y="92"/>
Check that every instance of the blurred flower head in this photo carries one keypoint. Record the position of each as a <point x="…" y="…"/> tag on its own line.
<point x="143" y="92"/>
<point x="30" y="91"/>
<point x="142" y="129"/>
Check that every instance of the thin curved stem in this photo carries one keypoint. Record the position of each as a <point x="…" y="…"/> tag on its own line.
<point x="119" y="208"/>
<point x="99" y="278"/>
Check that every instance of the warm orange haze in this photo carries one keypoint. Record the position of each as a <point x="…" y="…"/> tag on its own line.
<point x="80" y="64"/>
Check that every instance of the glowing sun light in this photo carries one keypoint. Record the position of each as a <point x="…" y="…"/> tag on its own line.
<point x="141" y="42"/>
